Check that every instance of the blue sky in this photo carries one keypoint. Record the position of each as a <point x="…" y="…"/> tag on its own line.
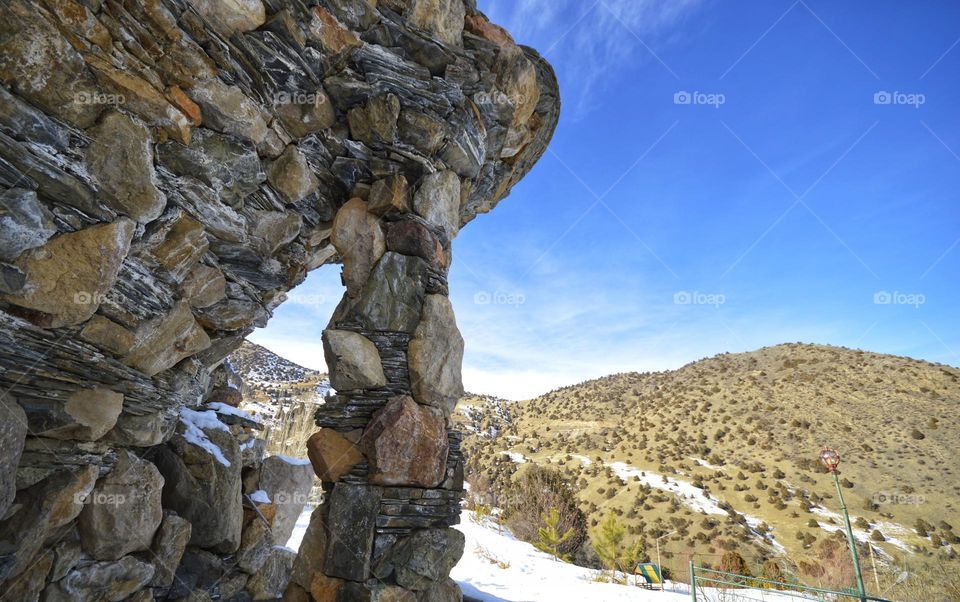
<point x="725" y="175"/>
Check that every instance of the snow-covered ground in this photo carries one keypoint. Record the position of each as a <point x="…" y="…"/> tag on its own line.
<point x="497" y="567"/>
<point x="889" y="530"/>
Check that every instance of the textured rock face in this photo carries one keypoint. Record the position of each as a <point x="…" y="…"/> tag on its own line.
<point x="406" y="444"/>
<point x="123" y="511"/>
<point x="13" y="430"/>
<point x="354" y="361"/>
<point x="169" y="170"/>
<point x="436" y="355"/>
<point x="68" y="277"/>
<point x="203" y="490"/>
<point x="288" y="485"/>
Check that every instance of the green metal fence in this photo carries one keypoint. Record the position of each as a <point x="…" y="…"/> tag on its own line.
<point x="733" y="587"/>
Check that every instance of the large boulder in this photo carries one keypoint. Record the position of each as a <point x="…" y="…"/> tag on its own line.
<point x="442" y="18"/>
<point x="353" y="361"/>
<point x="13" y="431"/>
<point x="438" y="201"/>
<point x="121" y="160"/>
<point x="164" y="341"/>
<point x="359" y="239"/>
<point x="292" y="176"/>
<point x="69" y="277"/>
<point x="201" y="467"/>
<point x="85" y="415"/>
<point x="391" y="298"/>
<point x="123" y="511"/>
<point x="287" y="482"/>
<point x="333" y="454"/>
<point x="436" y="355"/>
<point x="231" y="17"/>
<point x="406" y="444"/>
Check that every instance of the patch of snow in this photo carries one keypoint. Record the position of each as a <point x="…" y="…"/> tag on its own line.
<point x="583" y="459"/>
<point x="889" y="530"/>
<point x="293" y="461"/>
<point x="195" y="423"/>
<point x="693" y="497"/>
<point x="228" y="410"/>
<point x="260" y="497"/>
<point x="516" y="457"/>
<point x="248" y="444"/>
<point x="300" y="529"/>
<point x="705" y="464"/>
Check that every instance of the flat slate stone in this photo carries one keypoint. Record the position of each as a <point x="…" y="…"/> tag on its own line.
<point x="353" y="519"/>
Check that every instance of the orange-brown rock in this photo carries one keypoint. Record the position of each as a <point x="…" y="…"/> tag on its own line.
<point x="359" y="240"/>
<point x="406" y="444"/>
<point x="413" y="238"/>
<point x="323" y="588"/>
<point x="189" y="108"/>
<point x="329" y="32"/>
<point x="478" y="25"/>
<point x="332" y="454"/>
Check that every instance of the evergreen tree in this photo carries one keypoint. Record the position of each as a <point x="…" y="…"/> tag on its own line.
<point x="614" y="553"/>
<point x="549" y="539"/>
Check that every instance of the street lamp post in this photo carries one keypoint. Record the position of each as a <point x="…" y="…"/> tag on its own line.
<point x="659" y="565"/>
<point x="831" y="460"/>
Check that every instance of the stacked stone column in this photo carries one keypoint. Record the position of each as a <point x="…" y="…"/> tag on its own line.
<point x="386" y="453"/>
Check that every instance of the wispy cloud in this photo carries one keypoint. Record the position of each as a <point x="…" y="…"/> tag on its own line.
<point x="593" y="43"/>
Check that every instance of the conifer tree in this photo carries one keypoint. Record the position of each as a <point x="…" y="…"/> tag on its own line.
<point x="549" y="539"/>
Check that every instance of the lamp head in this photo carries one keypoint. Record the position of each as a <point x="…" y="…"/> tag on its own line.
<point x="830" y="459"/>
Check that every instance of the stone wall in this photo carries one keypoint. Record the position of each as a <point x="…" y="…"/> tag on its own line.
<point x="169" y="169"/>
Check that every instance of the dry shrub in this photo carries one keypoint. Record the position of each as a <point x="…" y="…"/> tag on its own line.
<point x="536" y="491"/>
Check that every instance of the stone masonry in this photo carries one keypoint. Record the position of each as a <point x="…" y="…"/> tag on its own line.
<point x="169" y="171"/>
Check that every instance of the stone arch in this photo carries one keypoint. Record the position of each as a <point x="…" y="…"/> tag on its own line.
<point x="169" y="170"/>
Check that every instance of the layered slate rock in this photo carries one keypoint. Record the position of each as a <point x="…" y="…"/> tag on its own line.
<point x="169" y="171"/>
<point x="353" y="518"/>
<point x="13" y="431"/>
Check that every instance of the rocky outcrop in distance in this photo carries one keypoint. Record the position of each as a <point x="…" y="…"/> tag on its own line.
<point x="169" y="170"/>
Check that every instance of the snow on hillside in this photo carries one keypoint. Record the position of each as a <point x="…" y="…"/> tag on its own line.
<point x="497" y="567"/>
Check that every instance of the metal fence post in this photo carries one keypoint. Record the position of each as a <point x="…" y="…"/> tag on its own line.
<point x="693" y="583"/>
